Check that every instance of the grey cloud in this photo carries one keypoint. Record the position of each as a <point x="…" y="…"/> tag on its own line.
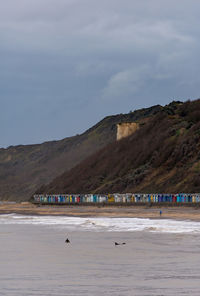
<point x="64" y="64"/>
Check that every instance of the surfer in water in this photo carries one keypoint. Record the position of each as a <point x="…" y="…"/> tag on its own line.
<point x="118" y="244"/>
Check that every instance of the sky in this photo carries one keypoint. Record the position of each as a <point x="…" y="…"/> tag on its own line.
<point x="66" y="64"/>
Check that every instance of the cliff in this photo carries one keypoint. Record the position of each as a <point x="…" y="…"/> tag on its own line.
<point x="126" y="129"/>
<point x="163" y="155"/>
<point x="24" y="168"/>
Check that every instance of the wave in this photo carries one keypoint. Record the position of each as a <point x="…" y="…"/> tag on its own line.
<point x="104" y="224"/>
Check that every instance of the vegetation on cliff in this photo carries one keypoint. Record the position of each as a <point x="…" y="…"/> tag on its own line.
<point x="162" y="156"/>
<point x="24" y="168"/>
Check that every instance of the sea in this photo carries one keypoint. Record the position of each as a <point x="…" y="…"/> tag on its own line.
<point x="154" y="257"/>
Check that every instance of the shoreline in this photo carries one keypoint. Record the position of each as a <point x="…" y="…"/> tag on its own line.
<point x="175" y="213"/>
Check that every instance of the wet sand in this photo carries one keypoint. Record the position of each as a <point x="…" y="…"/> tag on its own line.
<point x="178" y="213"/>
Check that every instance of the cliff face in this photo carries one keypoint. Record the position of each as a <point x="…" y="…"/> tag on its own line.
<point x="162" y="156"/>
<point x="126" y="129"/>
<point x="24" y="168"/>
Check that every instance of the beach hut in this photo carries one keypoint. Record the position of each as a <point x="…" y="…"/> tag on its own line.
<point x="111" y="198"/>
<point x="193" y="198"/>
<point x="133" y="197"/>
<point x="197" y="197"/>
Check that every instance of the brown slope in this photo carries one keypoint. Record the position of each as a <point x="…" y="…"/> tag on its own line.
<point x="162" y="156"/>
<point x="26" y="167"/>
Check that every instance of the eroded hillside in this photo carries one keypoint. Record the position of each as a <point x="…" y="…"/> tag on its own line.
<point x="163" y="155"/>
<point x="25" y="168"/>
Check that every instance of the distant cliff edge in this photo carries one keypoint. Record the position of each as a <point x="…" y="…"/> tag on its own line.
<point x="24" y="168"/>
<point x="162" y="156"/>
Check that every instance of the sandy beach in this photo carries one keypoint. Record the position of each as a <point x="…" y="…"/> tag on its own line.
<point x="178" y="213"/>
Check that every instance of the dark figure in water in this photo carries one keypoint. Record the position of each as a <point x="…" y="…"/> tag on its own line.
<point x="117" y="244"/>
<point x="67" y="241"/>
<point x="160" y="213"/>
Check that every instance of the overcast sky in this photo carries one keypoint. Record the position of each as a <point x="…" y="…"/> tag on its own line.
<point x="66" y="64"/>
